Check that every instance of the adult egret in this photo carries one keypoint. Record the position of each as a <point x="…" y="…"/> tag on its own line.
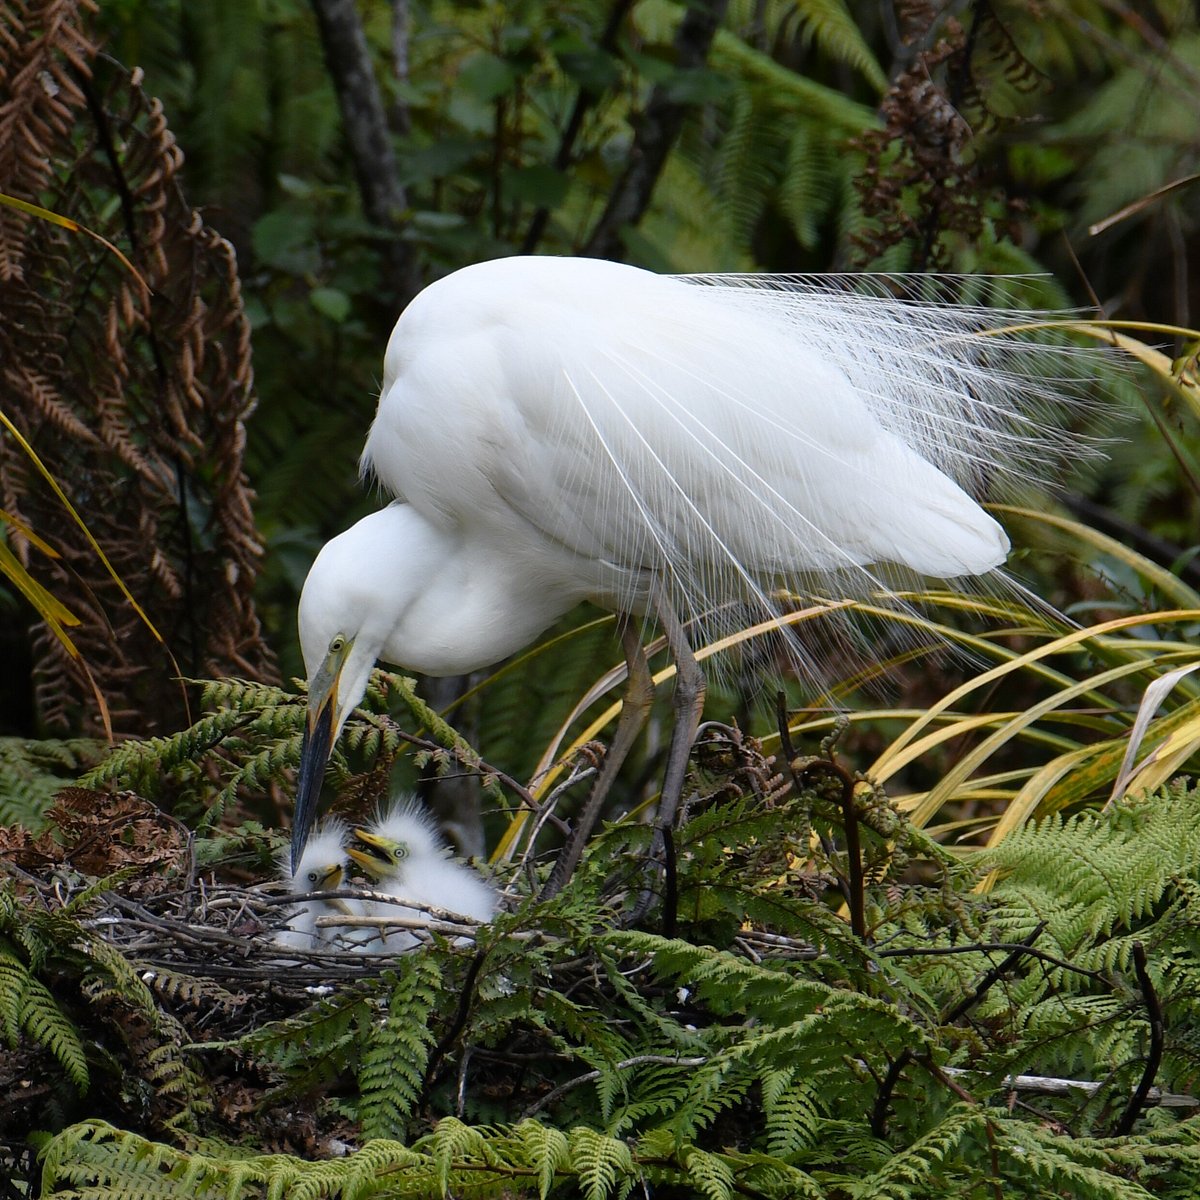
<point x="557" y="430"/>
<point x="323" y="867"/>
<point x="402" y="851"/>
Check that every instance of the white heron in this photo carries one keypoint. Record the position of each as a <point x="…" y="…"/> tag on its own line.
<point x="557" y="430"/>
<point x="323" y="867"/>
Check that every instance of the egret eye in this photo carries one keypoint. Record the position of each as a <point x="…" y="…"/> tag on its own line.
<point x="338" y="643"/>
<point x="314" y="877"/>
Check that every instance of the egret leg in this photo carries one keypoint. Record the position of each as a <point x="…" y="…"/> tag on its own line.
<point x="690" y="687"/>
<point x="635" y="708"/>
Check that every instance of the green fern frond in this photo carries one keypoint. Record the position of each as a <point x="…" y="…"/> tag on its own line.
<point x="314" y="1044"/>
<point x="396" y="1053"/>
<point x="914" y="1169"/>
<point x="791" y="1110"/>
<point x="807" y="187"/>
<point x="1030" y="1152"/>
<point x="547" y="1150"/>
<point x="33" y="772"/>
<point x="604" y="1164"/>
<point x="27" y="1005"/>
<point x="729" y="983"/>
<point x="1089" y="873"/>
<point x="450" y="1143"/>
<point x="710" y="1174"/>
<point x="827" y="23"/>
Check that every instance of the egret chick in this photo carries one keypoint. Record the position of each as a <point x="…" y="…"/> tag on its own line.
<point x="323" y="867"/>
<point x="402" y="851"/>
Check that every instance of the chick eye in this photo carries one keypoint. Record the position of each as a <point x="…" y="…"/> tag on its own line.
<point x="401" y="852"/>
<point x="313" y="877"/>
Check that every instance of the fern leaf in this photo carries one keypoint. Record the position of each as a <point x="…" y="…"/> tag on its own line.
<point x="26" y="1004"/>
<point x="547" y="1151"/>
<point x="601" y="1162"/>
<point x="709" y="1174"/>
<point x="912" y="1170"/>
<point x="393" y="1064"/>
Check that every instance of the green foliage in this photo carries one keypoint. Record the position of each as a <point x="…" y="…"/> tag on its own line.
<point x="68" y="996"/>
<point x="251" y="740"/>
<point x="564" y="1055"/>
<point x="397" y="1053"/>
<point x="29" y="1009"/>
<point x="32" y="772"/>
<point x="765" y="1049"/>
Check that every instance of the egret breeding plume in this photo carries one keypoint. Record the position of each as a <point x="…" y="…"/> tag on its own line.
<point x="323" y="867"/>
<point x="557" y="430"/>
<point x="403" y="854"/>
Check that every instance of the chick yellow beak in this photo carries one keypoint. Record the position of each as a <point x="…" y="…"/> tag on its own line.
<point x="332" y="878"/>
<point x="374" y="855"/>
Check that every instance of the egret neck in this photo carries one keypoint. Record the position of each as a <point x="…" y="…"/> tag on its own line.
<point x="400" y="589"/>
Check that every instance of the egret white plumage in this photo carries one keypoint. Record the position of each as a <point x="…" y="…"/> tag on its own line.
<point x="402" y="851"/>
<point x="323" y="867"/>
<point x="557" y="430"/>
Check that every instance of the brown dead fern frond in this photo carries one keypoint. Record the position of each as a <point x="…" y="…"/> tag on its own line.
<point x="927" y="172"/>
<point x="135" y="403"/>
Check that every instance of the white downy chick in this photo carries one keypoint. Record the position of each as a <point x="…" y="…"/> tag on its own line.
<point x="403" y="853"/>
<point x="323" y="867"/>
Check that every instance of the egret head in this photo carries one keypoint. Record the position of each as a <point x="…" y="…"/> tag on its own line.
<point x="342" y="630"/>
<point x="393" y="840"/>
<point x="322" y="866"/>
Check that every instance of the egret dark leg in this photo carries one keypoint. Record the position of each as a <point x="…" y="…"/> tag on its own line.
<point x="690" y="687"/>
<point x="635" y="708"/>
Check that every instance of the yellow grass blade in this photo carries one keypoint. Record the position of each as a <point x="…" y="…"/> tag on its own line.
<point x="28" y="534"/>
<point x="551" y="772"/>
<point x="44" y="214"/>
<point x="1168" y="584"/>
<point x="1154" y="695"/>
<point x="1083" y="772"/>
<point x="46" y="475"/>
<point x="1031" y="659"/>
<point x="51" y="609"/>
<point x="1166" y="758"/>
<point x="966" y="766"/>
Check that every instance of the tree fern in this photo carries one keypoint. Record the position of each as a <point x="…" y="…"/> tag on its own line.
<point x="828" y="23"/>
<point x="251" y="740"/>
<point x="791" y="1108"/>
<point x="672" y="1064"/>
<point x="549" y="1152"/>
<point x="314" y="1045"/>
<point x="451" y="1143"/>
<point x="915" y="1169"/>
<point x="604" y="1165"/>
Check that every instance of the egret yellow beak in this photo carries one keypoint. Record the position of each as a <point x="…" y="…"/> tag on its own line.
<point x="374" y="856"/>
<point x="318" y="741"/>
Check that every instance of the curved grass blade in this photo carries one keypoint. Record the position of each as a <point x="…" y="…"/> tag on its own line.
<point x="45" y="214"/>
